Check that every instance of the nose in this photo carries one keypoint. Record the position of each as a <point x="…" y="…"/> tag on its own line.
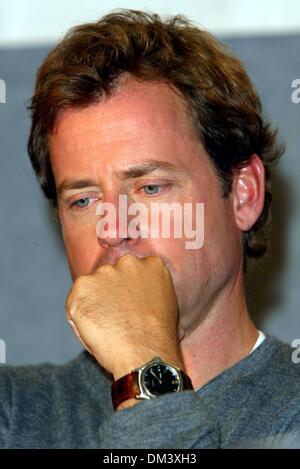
<point x="112" y="227"/>
<point x="116" y="242"/>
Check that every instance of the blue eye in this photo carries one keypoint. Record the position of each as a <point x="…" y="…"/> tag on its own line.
<point x="152" y="189"/>
<point x="82" y="203"/>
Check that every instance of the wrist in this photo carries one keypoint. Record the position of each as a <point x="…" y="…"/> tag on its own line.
<point x="153" y="379"/>
<point x="126" y="366"/>
<point x="127" y="404"/>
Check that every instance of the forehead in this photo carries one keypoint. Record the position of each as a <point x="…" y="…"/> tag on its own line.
<point x="143" y="120"/>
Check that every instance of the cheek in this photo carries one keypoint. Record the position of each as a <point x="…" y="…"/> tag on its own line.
<point x="81" y="245"/>
<point x="180" y="261"/>
<point x="188" y="268"/>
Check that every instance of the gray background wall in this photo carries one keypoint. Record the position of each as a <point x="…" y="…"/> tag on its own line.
<point x="34" y="277"/>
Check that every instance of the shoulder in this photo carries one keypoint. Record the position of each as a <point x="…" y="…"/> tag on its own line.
<point x="280" y="381"/>
<point x="27" y="380"/>
<point x="283" y="366"/>
<point x="30" y="382"/>
<point x="40" y="405"/>
<point x="22" y="375"/>
<point x="279" y="392"/>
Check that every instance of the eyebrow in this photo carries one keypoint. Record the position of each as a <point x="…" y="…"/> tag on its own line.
<point x="137" y="170"/>
<point x="68" y="184"/>
<point x="140" y="169"/>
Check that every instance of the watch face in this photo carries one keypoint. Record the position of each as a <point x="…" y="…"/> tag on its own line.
<point x="161" y="379"/>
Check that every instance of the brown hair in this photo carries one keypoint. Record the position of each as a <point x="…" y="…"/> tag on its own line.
<point x="87" y="64"/>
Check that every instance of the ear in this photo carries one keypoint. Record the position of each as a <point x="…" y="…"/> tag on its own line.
<point x="248" y="193"/>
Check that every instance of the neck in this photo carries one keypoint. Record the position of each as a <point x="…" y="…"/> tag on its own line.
<point x="224" y="337"/>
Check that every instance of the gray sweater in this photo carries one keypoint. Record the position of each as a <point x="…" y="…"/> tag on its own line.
<point x="252" y="404"/>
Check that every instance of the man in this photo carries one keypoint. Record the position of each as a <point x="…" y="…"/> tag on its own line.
<point x="162" y="113"/>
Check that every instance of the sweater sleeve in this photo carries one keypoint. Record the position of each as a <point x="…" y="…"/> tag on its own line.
<point x="172" y="421"/>
<point x="290" y="436"/>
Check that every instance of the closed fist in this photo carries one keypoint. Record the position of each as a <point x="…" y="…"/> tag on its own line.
<point x="126" y="314"/>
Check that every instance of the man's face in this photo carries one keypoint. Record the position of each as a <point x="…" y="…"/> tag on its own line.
<point x="108" y="146"/>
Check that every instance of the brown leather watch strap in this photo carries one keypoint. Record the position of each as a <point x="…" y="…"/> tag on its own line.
<point x="125" y="388"/>
<point x="186" y="381"/>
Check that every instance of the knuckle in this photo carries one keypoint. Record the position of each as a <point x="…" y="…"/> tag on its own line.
<point x="104" y="269"/>
<point x="68" y="302"/>
<point x="153" y="260"/>
<point x="126" y="259"/>
<point x="107" y="268"/>
<point x="80" y="282"/>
